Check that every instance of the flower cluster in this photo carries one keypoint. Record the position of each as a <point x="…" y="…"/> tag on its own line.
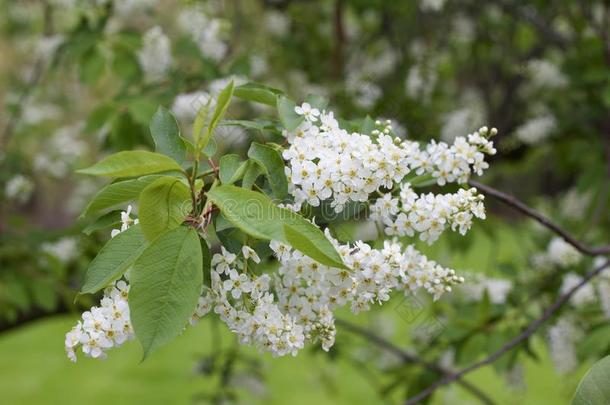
<point x="497" y="289"/>
<point x="19" y="188"/>
<point x="558" y="254"/>
<point x="563" y="337"/>
<point x="205" y="31"/>
<point x="427" y="214"/>
<point x="155" y="57"/>
<point x="280" y="313"/>
<point x="103" y="327"/>
<point x="327" y="162"/>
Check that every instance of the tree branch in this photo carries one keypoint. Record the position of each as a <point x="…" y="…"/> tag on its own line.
<point x="529" y="331"/>
<point x="407" y="357"/>
<point x="530" y="212"/>
<point x="530" y="15"/>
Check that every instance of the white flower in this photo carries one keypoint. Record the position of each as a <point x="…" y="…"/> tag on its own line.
<point x="223" y="261"/>
<point x="432" y="5"/>
<point x="563" y="337"/>
<point x="187" y="105"/>
<point x="562" y="254"/>
<point x="64" y="249"/>
<point x="326" y="162"/>
<point x="306" y="110"/>
<point x="126" y="222"/>
<point x="19" y="188"/>
<point x="249" y="253"/>
<point x="205" y="31"/>
<point x="536" y="130"/>
<point x="155" y="56"/>
<point x="546" y="75"/>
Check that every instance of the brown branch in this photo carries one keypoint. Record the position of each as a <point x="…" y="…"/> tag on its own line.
<point x="523" y="208"/>
<point x="529" y="331"/>
<point x="407" y="357"/>
<point x="339" y="39"/>
<point x="530" y="15"/>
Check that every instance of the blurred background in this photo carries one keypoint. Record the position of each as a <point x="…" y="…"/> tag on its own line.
<point x="81" y="79"/>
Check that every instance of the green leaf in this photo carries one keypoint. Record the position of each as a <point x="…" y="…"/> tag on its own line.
<point x="244" y="123"/>
<point x="200" y="119"/>
<point x="132" y="164"/>
<point x="166" y="134"/>
<point x="111" y="219"/>
<point x="253" y="170"/>
<point x="256" y="215"/>
<point x="423" y="180"/>
<point x="310" y="240"/>
<point x="114" y="259"/>
<point x="163" y="205"/>
<point x="317" y="101"/>
<point x="211" y="148"/>
<point x="252" y="212"/>
<point x="595" y="343"/>
<point x="257" y="124"/>
<point x="166" y="283"/>
<point x="92" y="66"/>
<point x="289" y="118"/>
<point x="368" y="125"/>
<point x="273" y="164"/>
<point x="231" y="169"/>
<point x="222" y="103"/>
<point x="258" y="93"/>
<point x="206" y="262"/>
<point x="594" y="388"/>
<point x="118" y="193"/>
<point x="142" y="109"/>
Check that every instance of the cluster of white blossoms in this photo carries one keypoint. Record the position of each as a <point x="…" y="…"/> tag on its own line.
<point x="563" y="337"/>
<point x="536" y="130"/>
<point x="497" y="289"/>
<point x="59" y="152"/>
<point x="205" y="31"/>
<point x="559" y="254"/>
<point x="155" y="57"/>
<point x="280" y="313"/>
<point x="104" y="327"/>
<point x="429" y="214"/>
<point x="64" y="249"/>
<point x="327" y="162"/>
<point x="19" y="188"/>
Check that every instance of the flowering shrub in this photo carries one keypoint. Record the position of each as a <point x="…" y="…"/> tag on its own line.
<point x="83" y="79"/>
<point x="168" y="276"/>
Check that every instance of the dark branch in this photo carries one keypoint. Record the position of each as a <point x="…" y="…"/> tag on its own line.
<point x="523" y="208"/>
<point x="407" y="357"/>
<point x="530" y="15"/>
<point x="529" y="331"/>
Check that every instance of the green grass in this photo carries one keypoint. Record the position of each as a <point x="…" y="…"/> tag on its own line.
<point x="34" y="370"/>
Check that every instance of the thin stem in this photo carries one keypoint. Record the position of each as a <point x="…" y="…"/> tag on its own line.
<point x="530" y="212"/>
<point x="529" y="331"/>
<point x="192" y="179"/>
<point x="407" y="357"/>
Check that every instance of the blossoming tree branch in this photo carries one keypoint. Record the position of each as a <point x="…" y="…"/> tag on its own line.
<point x="158" y="272"/>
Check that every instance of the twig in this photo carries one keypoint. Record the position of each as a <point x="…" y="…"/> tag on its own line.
<point x="530" y="212"/>
<point x="529" y="331"/>
<point x="407" y="357"/>
<point x="530" y="15"/>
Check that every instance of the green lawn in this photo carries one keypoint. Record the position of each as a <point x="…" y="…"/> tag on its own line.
<point x="34" y="370"/>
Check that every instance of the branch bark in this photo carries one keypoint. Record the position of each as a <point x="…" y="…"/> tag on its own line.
<point x="407" y="357"/>
<point x="529" y="331"/>
<point x="530" y="212"/>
